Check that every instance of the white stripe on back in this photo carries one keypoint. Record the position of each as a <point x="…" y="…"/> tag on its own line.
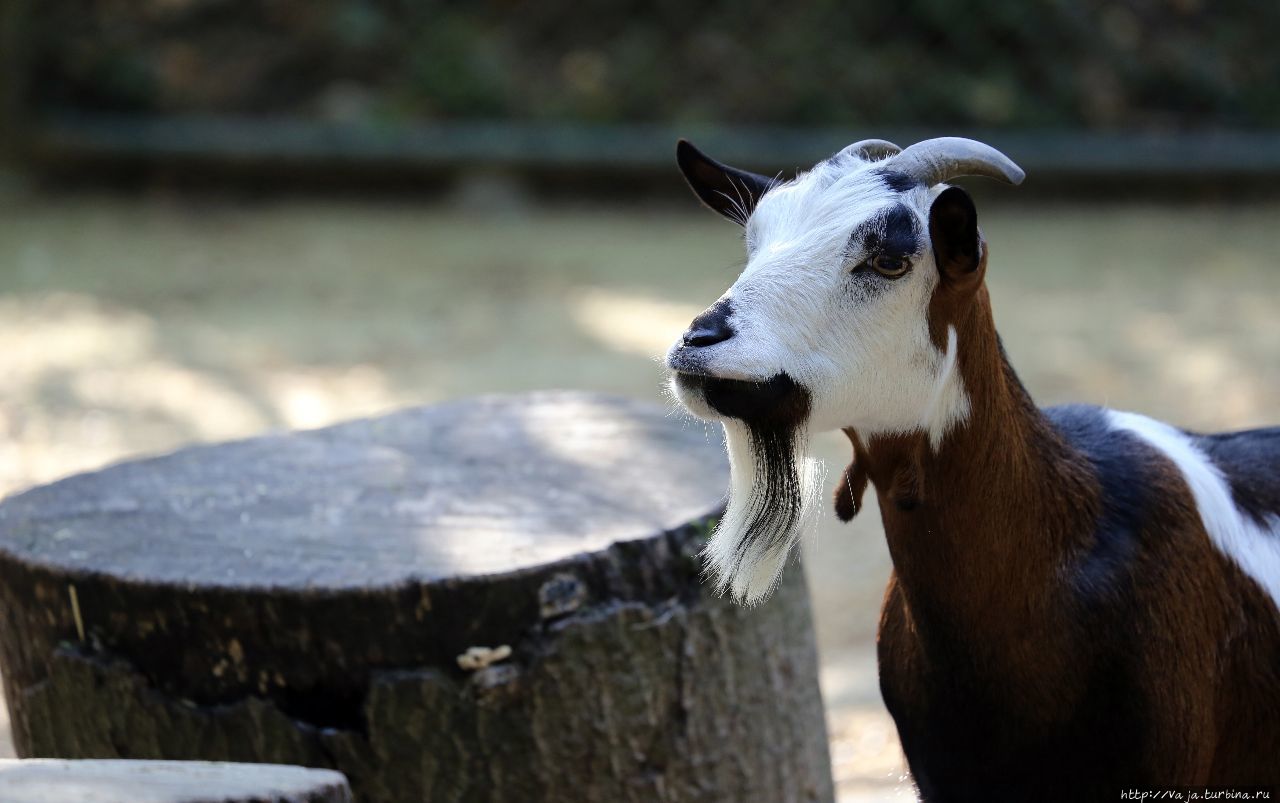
<point x="1256" y="550"/>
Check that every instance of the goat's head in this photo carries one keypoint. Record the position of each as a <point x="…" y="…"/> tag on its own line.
<point x="828" y="326"/>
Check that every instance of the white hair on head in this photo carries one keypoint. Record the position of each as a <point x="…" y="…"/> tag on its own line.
<point x="772" y="502"/>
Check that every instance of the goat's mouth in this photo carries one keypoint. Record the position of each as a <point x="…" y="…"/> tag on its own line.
<point x="779" y="400"/>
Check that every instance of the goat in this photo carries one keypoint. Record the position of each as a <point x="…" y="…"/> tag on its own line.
<point x="1082" y="600"/>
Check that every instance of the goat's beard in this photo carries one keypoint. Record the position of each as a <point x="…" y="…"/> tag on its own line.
<point x="773" y="498"/>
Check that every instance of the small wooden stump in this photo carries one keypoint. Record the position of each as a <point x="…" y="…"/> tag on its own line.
<point x="114" y="781"/>
<point x="496" y="599"/>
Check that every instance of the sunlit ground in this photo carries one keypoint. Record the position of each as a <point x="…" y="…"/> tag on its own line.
<point x="136" y="326"/>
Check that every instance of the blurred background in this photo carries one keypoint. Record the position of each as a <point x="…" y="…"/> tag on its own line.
<point x="219" y="218"/>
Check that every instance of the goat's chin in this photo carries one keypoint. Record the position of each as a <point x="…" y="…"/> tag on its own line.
<point x="691" y="397"/>
<point x="776" y="402"/>
<point x="774" y="498"/>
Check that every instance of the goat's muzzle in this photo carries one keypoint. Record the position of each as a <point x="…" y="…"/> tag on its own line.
<point x="711" y="327"/>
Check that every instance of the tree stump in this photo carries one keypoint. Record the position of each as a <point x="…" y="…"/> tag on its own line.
<point x="496" y="599"/>
<point x="54" y="781"/>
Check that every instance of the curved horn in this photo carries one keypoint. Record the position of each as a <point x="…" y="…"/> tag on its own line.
<point x="934" y="161"/>
<point x="871" y="150"/>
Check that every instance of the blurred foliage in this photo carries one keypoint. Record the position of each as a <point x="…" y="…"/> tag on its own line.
<point x="1132" y="64"/>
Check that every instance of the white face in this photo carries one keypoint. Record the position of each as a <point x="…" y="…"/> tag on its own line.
<point x="835" y="297"/>
<point x="812" y="304"/>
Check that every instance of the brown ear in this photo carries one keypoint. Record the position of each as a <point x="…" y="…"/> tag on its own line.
<point x="732" y="192"/>
<point x="953" y="230"/>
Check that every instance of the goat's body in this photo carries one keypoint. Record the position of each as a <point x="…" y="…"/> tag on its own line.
<point x="1083" y="601"/>
<point x="1158" y="661"/>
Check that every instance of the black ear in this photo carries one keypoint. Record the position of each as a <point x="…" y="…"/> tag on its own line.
<point x="732" y="192"/>
<point x="953" y="228"/>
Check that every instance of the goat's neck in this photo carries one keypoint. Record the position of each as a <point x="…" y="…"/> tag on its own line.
<point x="982" y="522"/>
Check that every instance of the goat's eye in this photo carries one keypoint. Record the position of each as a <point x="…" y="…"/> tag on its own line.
<point x="890" y="267"/>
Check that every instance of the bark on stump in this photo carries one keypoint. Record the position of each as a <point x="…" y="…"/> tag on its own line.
<point x="304" y="599"/>
<point x="112" y="781"/>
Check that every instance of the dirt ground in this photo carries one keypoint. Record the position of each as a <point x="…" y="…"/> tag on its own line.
<point x="131" y="326"/>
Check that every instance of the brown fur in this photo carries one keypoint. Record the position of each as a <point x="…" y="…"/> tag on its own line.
<point x="986" y="534"/>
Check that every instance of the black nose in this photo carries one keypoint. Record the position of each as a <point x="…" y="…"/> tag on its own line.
<point x="710" y="327"/>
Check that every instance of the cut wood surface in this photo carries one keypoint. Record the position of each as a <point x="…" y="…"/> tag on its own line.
<point x="486" y="486"/>
<point x="116" y="781"/>
<point x="494" y="599"/>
